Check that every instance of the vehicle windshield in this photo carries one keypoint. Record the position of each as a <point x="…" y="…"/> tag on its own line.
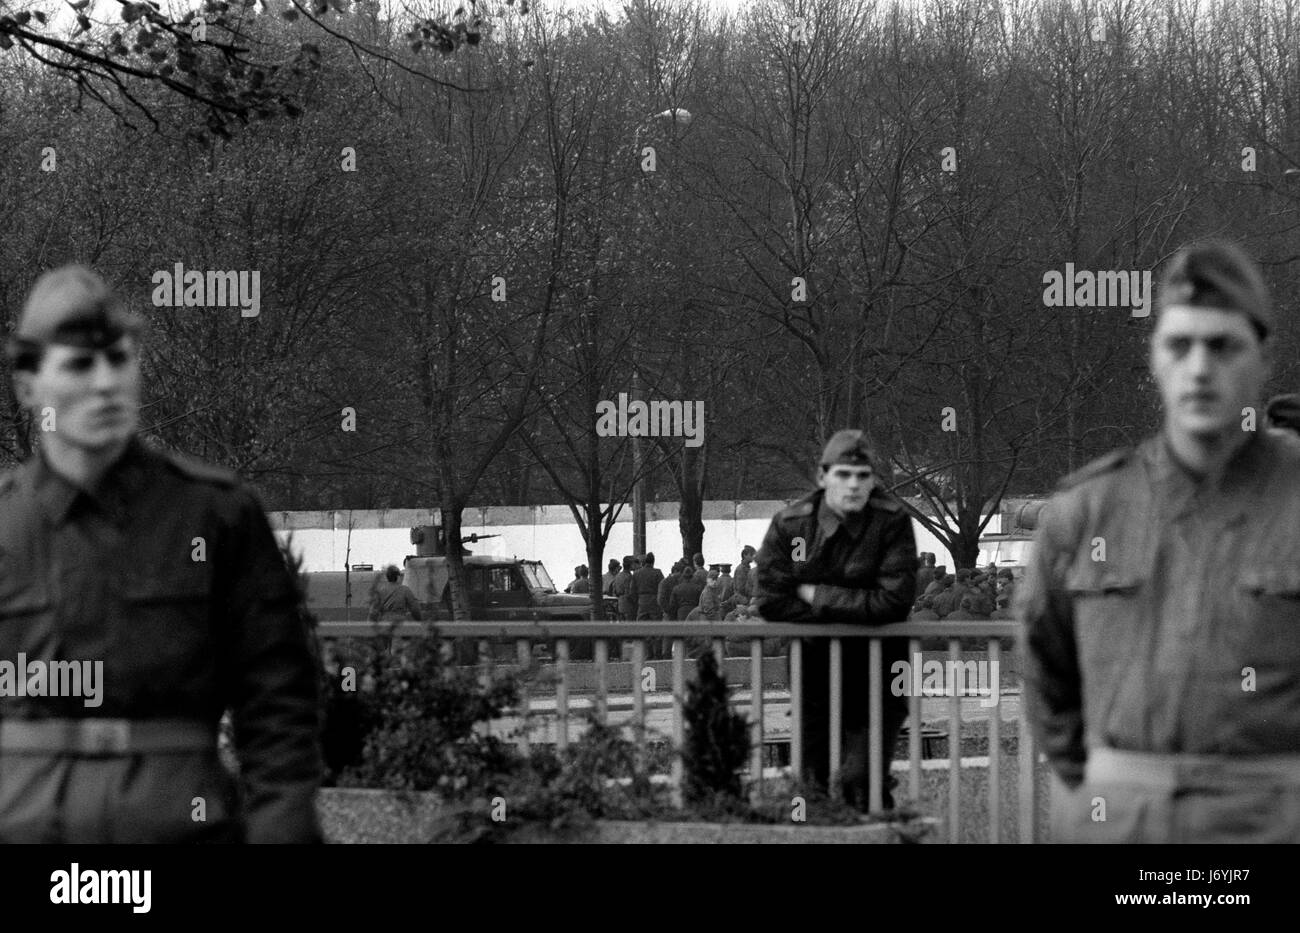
<point x="1010" y="553"/>
<point x="538" y="578"/>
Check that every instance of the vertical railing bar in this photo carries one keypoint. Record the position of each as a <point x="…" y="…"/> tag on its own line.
<point x="485" y="674"/>
<point x="954" y="742"/>
<point x="796" y="709"/>
<point x="602" y="681"/>
<point x="679" y="727"/>
<point x="995" y="743"/>
<point x="756" y="714"/>
<point x="562" y="693"/>
<point x="638" y="694"/>
<point x="875" y="727"/>
<point x="837" y="710"/>
<point x="913" y="720"/>
<point x="524" y="655"/>
<point x="1026" y="752"/>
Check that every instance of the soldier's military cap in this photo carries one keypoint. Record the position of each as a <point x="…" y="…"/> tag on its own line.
<point x="1220" y="275"/>
<point x="72" y="305"/>
<point x="848" y="448"/>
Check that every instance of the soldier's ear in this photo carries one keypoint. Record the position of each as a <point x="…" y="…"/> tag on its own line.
<point x="1268" y="353"/>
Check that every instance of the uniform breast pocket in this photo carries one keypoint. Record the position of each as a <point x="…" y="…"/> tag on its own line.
<point x="166" y="618"/>
<point x="21" y="595"/>
<point x="1269" y="599"/>
<point x="1105" y="600"/>
<point x="25" y="608"/>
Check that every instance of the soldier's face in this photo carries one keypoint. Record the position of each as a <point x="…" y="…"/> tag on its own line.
<point x="1209" y="366"/>
<point x="847" y="487"/>
<point x="83" y="398"/>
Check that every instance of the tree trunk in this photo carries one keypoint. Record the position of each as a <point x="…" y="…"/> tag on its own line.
<point x="595" y="559"/>
<point x="690" y="519"/>
<point x="455" y="562"/>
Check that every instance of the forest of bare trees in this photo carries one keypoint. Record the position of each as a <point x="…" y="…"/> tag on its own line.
<point x="462" y="251"/>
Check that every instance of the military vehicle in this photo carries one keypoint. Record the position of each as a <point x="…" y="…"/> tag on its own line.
<point x="1012" y="548"/>
<point x="501" y="589"/>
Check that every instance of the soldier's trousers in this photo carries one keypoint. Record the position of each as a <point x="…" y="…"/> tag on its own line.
<point x="1134" y="797"/>
<point x="135" y="798"/>
<point x="855" y="716"/>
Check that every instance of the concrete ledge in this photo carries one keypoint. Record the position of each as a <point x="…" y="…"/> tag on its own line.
<point x="640" y="833"/>
<point x="356" y="815"/>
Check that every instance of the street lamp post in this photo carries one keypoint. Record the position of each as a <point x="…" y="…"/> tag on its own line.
<point x="682" y="117"/>
<point x="638" y="485"/>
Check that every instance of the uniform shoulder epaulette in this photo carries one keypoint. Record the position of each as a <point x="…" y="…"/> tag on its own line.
<point x="198" y="469"/>
<point x="801" y="509"/>
<point x="1102" y="465"/>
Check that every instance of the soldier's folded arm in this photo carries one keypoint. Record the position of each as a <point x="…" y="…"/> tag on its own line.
<point x="1051" y="664"/>
<point x="891" y="599"/>
<point x="778" y="581"/>
<point x="275" y="689"/>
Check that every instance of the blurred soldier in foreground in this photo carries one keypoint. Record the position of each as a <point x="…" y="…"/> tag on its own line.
<point x="1162" y="597"/>
<point x="164" y="571"/>
<point x="844" y="554"/>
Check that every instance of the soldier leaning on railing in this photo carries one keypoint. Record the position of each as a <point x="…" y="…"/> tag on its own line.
<point x="843" y="554"/>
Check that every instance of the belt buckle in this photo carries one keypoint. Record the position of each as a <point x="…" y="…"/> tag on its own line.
<point x="104" y="736"/>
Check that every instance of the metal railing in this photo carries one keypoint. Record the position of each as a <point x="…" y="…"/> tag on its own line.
<point x="526" y="633"/>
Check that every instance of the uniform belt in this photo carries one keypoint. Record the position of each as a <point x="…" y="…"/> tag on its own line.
<point x="1109" y="765"/>
<point x="104" y="736"/>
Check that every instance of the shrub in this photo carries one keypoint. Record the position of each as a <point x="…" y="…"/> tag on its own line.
<point x="418" y="712"/>
<point x="717" y="740"/>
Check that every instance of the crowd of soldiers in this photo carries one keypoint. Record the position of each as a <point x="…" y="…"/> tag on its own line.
<point x="969" y="594"/>
<point x="692" y="593"/>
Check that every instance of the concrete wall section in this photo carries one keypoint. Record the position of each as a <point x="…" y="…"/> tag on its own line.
<point x="546" y="533"/>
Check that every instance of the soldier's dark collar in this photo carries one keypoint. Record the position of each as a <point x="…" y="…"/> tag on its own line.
<point x="119" y="485"/>
<point x="828" y="521"/>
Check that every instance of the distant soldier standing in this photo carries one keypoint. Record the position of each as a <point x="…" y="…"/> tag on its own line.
<point x="744" y="579"/>
<point x="844" y="554"/>
<point x="392" y="600"/>
<point x="165" y="570"/>
<point x="1162" y="597"/>
<point x="622" y="588"/>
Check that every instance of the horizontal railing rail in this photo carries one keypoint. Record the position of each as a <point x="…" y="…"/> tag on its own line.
<point x="965" y="628"/>
<point x="601" y="633"/>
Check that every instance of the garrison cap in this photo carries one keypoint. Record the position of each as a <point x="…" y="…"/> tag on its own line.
<point x="1217" y="274"/>
<point x="72" y="305"/>
<point x="849" y="448"/>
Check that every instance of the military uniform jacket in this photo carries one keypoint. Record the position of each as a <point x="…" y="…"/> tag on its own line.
<point x="1162" y="615"/>
<point x="864" y="569"/>
<point x="171" y="576"/>
<point x="643" y="590"/>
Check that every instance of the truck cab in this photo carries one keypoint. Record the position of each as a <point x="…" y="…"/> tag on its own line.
<point x="500" y="590"/>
